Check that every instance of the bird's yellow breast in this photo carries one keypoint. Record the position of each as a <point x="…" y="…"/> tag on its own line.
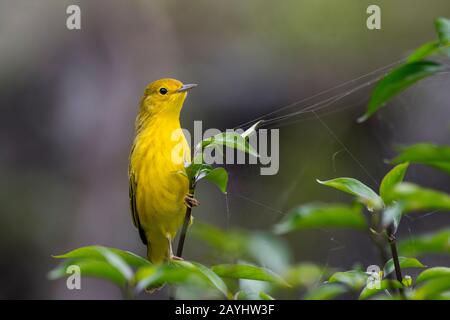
<point x="158" y="156"/>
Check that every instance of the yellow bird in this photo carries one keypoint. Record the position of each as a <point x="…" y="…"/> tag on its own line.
<point x="158" y="192"/>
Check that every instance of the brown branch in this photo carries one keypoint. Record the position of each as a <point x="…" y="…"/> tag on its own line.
<point x="378" y="240"/>
<point x="187" y="220"/>
<point x="395" y="259"/>
<point x="398" y="271"/>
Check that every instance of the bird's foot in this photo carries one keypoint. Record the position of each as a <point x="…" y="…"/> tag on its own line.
<point x="190" y="201"/>
<point x="176" y="258"/>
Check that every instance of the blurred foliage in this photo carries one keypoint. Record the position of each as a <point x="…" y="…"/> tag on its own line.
<point x="404" y="264"/>
<point x="417" y="245"/>
<point x="258" y="265"/>
<point x="428" y="154"/>
<point x="363" y="193"/>
<point x="322" y="216"/>
<point x="133" y="274"/>
<point x="415" y="69"/>
<point x="257" y="247"/>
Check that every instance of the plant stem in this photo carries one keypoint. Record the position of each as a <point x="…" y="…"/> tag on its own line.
<point x="375" y="223"/>
<point x="127" y="292"/>
<point x="398" y="270"/>
<point x="187" y="220"/>
<point x="376" y="218"/>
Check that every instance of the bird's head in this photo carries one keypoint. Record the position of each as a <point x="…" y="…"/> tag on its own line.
<point x="165" y="96"/>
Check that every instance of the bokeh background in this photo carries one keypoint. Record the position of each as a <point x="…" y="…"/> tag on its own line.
<point x="68" y="101"/>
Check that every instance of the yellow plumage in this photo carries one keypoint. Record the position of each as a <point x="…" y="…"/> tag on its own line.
<point x="157" y="189"/>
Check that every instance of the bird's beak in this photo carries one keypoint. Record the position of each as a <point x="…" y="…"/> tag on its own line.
<point x="187" y="87"/>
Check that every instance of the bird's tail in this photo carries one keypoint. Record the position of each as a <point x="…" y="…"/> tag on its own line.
<point x="158" y="249"/>
<point x="157" y="253"/>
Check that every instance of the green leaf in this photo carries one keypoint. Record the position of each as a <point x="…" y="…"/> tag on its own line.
<point x="437" y="243"/>
<point x="155" y="276"/>
<point x="404" y="264"/>
<point x="385" y="284"/>
<point x="231" y="140"/>
<point x="304" y="275"/>
<point x="180" y="273"/>
<point x="219" y="177"/>
<point x="433" y="273"/>
<point x="94" y="252"/>
<point x="317" y="215"/>
<point x="398" y="80"/>
<point x="101" y="262"/>
<point x="196" y="171"/>
<point x="327" y="291"/>
<point x="426" y="50"/>
<point x="252" y="295"/>
<point x="117" y="262"/>
<point x="244" y="271"/>
<point x="436" y="47"/>
<point x="265" y="296"/>
<point x="354" y="279"/>
<point x="240" y="295"/>
<point x="91" y="268"/>
<point x="262" y="248"/>
<point x="251" y="289"/>
<point x="428" y="154"/>
<point x="247" y="133"/>
<point x="269" y="251"/>
<point x="433" y="289"/>
<point x="443" y="29"/>
<point x="213" y="278"/>
<point x="356" y="188"/>
<point x="230" y="242"/>
<point x="415" y="197"/>
<point x="392" y="178"/>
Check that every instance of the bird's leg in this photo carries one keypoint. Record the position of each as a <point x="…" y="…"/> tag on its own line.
<point x="190" y="201"/>
<point x="171" y="255"/>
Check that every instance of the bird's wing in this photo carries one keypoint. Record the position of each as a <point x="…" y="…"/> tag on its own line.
<point x="134" y="212"/>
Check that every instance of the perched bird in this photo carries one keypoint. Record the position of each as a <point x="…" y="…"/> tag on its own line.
<point x="158" y="192"/>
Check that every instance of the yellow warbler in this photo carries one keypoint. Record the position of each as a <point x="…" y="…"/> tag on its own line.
<point x="158" y="192"/>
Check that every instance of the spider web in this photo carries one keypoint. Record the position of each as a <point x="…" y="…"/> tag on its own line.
<point x="313" y="108"/>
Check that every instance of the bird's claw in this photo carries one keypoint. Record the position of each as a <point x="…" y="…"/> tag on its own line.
<point x="176" y="258"/>
<point x="190" y="201"/>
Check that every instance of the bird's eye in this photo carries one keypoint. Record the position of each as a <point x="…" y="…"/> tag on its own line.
<point x="163" y="91"/>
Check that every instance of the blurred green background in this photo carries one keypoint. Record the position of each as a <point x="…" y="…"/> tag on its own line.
<point x="69" y="98"/>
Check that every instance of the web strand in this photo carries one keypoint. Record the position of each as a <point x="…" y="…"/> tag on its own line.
<point x="327" y="101"/>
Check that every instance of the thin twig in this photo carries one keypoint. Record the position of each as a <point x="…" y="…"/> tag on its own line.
<point x="398" y="270"/>
<point x="187" y="220"/>
<point x="375" y="221"/>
